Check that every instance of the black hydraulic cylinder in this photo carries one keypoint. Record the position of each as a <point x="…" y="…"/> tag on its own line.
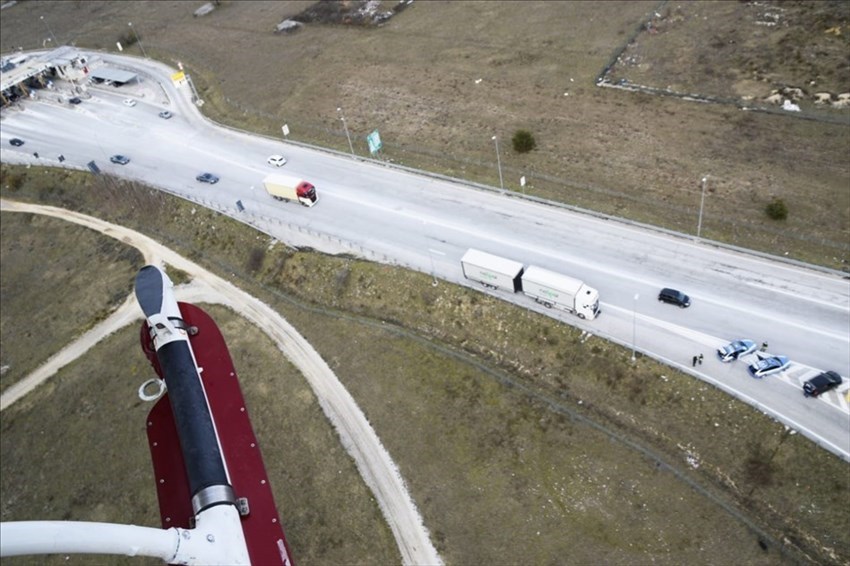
<point x="198" y="440"/>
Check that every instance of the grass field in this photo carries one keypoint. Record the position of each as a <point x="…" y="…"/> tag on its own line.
<point x="66" y="291"/>
<point x="441" y="78"/>
<point x="523" y="445"/>
<point x="529" y="449"/>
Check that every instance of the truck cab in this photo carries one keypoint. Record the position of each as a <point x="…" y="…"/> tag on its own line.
<point x="587" y="303"/>
<point x="306" y="193"/>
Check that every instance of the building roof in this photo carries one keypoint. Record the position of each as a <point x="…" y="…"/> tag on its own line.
<point x="114" y="75"/>
<point x="21" y="71"/>
<point x="19" y="68"/>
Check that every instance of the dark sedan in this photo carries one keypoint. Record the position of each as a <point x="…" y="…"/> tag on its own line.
<point x="207" y="178"/>
<point x="17" y="142"/>
<point x="821" y="383"/>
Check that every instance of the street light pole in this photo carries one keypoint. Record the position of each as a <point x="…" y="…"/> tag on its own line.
<point x="50" y="31"/>
<point x="701" y="204"/>
<point x="499" y="163"/>
<point x="345" y="127"/>
<point x="433" y="271"/>
<point x="634" y="327"/>
<point x="138" y="39"/>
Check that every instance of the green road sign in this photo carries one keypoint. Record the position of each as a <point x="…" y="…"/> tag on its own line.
<point x="374" y="140"/>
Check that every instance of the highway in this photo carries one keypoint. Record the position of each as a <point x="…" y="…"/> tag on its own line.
<point x="425" y="222"/>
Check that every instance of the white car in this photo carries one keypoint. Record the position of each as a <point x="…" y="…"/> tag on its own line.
<point x="768" y="366"/>
<point x="129" y="102"/>
<point x="735" y="350"/>
<point x="277" y="160"/>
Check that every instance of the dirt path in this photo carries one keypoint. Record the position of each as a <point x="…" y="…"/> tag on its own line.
<point x="357" y="436"/>
<point x="124" y="315"/>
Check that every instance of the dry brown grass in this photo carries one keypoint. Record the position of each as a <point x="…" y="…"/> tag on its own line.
<point x="505" y="453"/>
<point x="62" y="296"/>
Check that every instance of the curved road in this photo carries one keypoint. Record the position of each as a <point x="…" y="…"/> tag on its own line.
<point x="375" y="464"/>
<point x="426" y="223"/>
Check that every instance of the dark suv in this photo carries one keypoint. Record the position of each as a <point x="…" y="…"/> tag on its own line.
<point x="674" y="297"/>
<point x="821" y="383"/>
<point x="207" y="178"/>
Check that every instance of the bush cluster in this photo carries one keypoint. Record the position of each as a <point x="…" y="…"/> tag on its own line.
<point x="776" y="209"/>
<point x="523" y="141"/>
<point x="127" y="39"/>
<point x="14" y="181"/>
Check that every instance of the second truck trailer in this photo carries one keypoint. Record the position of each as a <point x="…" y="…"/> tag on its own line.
<point x="546" y="287"/>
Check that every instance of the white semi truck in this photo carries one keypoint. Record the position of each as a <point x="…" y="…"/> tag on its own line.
<point x="287" y="187"/>
<point x="546" y="287"/>
<point x="492" y="271"/>
<point x="562" y="292"/>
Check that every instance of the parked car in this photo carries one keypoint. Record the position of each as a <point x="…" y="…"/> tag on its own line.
<point x="165" y="114"/>
<point x="277" y="160"/>
<point x="735" y="350"/>
<point x="129" y="102"/>
<point x="821" y="383"/>
<point x="674" y="297"/>
<point x="769" y="365"/>
<point x="75" y="100"/>
<point x="207" y="178"/>
<point x="120" y="159"/>
<point x="17" y="142"/>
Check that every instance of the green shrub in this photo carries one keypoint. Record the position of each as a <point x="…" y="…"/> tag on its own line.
<point x="255" y="259"/>
<point x="127" y="39"/>
<point x="523" y="141"/>
<point x="14" y="181"/>
<point x="177" y="276"/>
<point x="777" y="210"/>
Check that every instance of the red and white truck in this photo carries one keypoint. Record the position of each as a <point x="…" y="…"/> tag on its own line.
<point x="287" y="188"/>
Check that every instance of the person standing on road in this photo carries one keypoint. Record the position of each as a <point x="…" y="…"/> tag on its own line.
<point x="695" y="361"/>
<point x="700" y="359"/>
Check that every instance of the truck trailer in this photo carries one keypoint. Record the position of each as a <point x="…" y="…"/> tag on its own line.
<point x="492" y="271"/>
<point x="555" y="290"/>
<point x="287" y="187"/>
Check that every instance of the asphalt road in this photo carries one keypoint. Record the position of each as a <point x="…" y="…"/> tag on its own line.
<point x="387" y="214"/>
